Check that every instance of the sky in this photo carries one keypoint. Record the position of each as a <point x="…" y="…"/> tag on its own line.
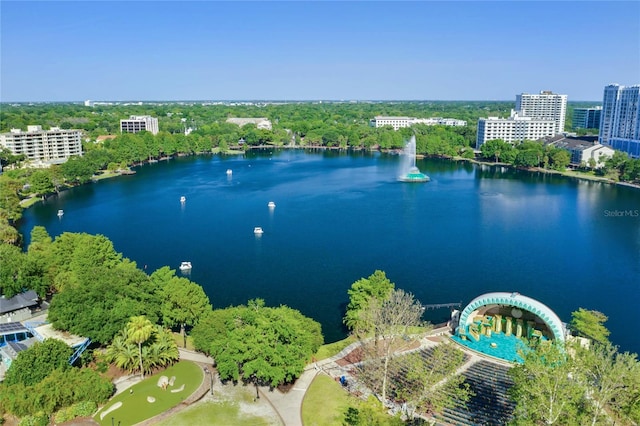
<point x="323" y="50"/>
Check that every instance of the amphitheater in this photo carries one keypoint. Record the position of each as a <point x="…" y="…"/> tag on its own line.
<point x="492" y="330"/>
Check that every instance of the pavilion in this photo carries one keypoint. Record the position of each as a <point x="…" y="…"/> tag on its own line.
<point x="501" y="324"/>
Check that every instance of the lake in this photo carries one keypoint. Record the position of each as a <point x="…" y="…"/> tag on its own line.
<point x="340" y="216"/>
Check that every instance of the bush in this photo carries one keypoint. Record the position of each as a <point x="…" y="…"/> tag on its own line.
<point x="39" y="419"/>
<point x="81" y="409"/>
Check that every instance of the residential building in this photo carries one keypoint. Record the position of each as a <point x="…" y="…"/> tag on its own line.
<point x="260" y="122"/>
<point x="43" y="147"/>
<point x="586" y="118"/>
<point x="544" y="106"/>
<point x="620" y="122"/>
<point x="514" y="129"/>
<point x="399" y="122"/>
<point x="582" y="149"/>
<point x="138" y="123"/>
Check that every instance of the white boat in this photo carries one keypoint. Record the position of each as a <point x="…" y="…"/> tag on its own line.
<point x="185" y="266"/>
<point x="183" y="199"/>
<point x="60" y="213"/>
<point x="229" y="171"/>
<point x="271" y="204"/>
<point x="257" y="230"/>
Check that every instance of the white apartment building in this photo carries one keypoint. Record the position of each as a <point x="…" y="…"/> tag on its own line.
<point x="43" y="147"/>
<point x="399" y="122"/>
<point x="544" y="106"/>
<point x="515" y="128"/>
<point x="620" y="119"/>
<point x="260" y="122"/>
<point x="138" y="123"/>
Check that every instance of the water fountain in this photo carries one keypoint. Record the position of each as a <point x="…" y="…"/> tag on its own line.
<point x="408" y="171"/>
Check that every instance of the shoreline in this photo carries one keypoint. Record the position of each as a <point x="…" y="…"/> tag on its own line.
<point x="32" y="200"/>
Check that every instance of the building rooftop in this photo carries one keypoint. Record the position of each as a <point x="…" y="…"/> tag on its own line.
<point x="19" y="301"/>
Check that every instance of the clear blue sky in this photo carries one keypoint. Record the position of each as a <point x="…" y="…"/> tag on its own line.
<point x="455" y="50"/>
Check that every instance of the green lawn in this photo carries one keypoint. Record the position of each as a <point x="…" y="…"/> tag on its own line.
<point x="324" y="403"/>
<point x="135" y="407"/>
<point x="211" y="413"/>
<point x="334" y="348"/>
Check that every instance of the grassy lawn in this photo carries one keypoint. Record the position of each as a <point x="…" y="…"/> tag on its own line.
<point x="135" y="407"/>
<point x="177" y="337"/>
<point x="105" y="174"/>
<point x="28" y="202"/>
<point x="334" y="348"/>
<point x="324" y="403"/>
<point x="211" y="413"/>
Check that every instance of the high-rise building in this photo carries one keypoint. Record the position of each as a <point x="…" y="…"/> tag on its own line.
<point x="138" y="123"/>
<point x="516" y="128"/>
<point x="620" y="122"/>
<point x="544" y="106"/>
<point x="43" y="147"/>
<point x="586" y="118"/>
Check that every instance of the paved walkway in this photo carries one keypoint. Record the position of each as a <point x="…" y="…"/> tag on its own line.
<point x="289" y="405"/>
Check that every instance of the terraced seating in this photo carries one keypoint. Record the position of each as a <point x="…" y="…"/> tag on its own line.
<point x="490" y="405"/>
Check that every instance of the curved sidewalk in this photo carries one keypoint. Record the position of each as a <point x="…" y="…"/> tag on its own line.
<point x="289" y="405"/>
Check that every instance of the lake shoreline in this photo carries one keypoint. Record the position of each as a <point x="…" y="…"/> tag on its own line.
<point x="30" y="201"/>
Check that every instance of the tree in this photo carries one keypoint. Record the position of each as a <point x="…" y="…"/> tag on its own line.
<point x="114" y="294"/>
<point x="389" y="323"/>
<point x="183" y="302"/>
<point x="497" y="149"/>
<point x="369" y="413"/>
<point x="258" y="344"/>
<point x="377" y="286"/>
<point x="9" y="199"/>
<point x="608" y="377"/>
<point x="159" y="350"/>
<point x="11" y="262"/>
<point x="61" y="388"/>
<point x="545" y="390"/>
<point x="77" y="170"/>
<point x="560" y="159"/>
<point x="139" y="330"/>
<point x="41" y="183"/>
<point x="590" y="324"/>
<point x="35" y="363"/>
<point x="429" y="384"/>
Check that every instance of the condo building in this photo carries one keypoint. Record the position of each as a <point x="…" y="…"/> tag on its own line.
<point x="138" y="123"/>
<point x="514" y="129"/>
<point x="43" y="147"/>
<point x="260" y="122"/>
<point x="544" y="106"/>
<point x="586" y="118"/>
<point x="399" y="122"/>
<point x="620" y="121"/>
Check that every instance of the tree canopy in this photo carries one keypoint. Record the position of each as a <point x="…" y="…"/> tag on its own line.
<point x="362" y="292"/>
<point x="258" y="344"/>
<point x="590" y="324"/>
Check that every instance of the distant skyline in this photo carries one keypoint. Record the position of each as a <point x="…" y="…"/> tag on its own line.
<point x="298" y="50"/>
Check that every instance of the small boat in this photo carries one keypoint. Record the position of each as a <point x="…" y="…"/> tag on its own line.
<point x="185" y="266"/>
<point x="257" y="230"/>
<point x="183" y="199"/>
<point x="229" y="171"/>
<point x="271" y="204"/>
<point x="60" y="213"/>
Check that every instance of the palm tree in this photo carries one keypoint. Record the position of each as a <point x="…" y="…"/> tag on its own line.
<point x="139" y="330"/>
<point x="122" y="353"/>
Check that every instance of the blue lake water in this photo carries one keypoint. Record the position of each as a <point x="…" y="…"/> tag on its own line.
<point x="340" y="216"/>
